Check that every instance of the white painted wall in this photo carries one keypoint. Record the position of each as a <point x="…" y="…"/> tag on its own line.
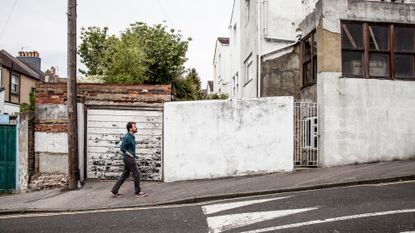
<point x="52" y="149"/>
<point x="51" y="142"/>
<point x="235" y="53"/>
<point x="267" y="26"/>
<point x="249" y="46"/>
<point x="371" y="11"/>
<point x="81" y="140"/>
<point x="365" y="120"/>
<point x="280" y="19"/>
<point x="222" y="69"/>
<point x="11" y="108"/>
<point x="209" y="139"/>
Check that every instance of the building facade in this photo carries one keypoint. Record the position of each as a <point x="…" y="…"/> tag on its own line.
<point x="18" y="77"/>
<point x="221" y="67"/>
<point x="258" y="29"/>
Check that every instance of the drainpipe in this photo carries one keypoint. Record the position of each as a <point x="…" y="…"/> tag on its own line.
<point x="259" y="49"/>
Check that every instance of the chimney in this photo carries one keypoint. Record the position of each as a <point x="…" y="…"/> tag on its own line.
<point x="30" y="58"/>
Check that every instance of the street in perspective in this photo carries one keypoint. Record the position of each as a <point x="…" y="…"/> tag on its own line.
<point x="207" y="116"/>
<point x="366" y="208"/>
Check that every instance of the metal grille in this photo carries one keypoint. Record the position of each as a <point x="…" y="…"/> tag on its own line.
<point x="306" y="135"/>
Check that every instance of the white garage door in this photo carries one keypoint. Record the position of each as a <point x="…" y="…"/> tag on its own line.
<point x="105" y="129"/>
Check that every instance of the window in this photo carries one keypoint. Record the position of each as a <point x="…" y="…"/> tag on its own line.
<point x="374" y="50"/>
<point x="235" y="84"/>
<point x="249" y="70"/>
<point x="404" y="52"/>
<point x="309" y="59"/>
<point x="15" y="84"/>
<point x="235" y="35"/>
<point x="247" y="10"/>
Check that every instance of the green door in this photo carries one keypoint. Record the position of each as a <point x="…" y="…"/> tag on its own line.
<point x="7" y="158"/>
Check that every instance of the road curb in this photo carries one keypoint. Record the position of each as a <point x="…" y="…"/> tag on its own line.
<point x="201" y="199"/>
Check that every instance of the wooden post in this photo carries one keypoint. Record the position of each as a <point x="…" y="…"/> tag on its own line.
<point x="73" y="170"/>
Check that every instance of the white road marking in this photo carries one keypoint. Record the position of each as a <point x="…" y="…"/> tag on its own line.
<point x="227" y="222"/>
<point x="331" y="220"/>
<point x="210" y="209"/>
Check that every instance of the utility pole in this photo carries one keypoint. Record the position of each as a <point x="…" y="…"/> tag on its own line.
<point x="73" y="170"/>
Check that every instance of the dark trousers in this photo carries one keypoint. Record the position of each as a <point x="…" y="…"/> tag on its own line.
<point x="129" y="166"/>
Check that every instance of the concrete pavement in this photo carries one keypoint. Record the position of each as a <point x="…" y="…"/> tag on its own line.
<point x="95" y="194"/>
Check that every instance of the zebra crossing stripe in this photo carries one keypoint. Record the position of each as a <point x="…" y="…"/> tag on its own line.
<point x="210" y="209"/>
<point x="273" y="229"/>
<point x="222" y="223"/>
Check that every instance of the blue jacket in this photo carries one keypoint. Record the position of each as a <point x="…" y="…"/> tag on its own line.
<point x="128" y="144"/>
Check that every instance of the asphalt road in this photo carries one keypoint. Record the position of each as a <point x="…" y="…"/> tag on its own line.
<point x="369" y="208"/>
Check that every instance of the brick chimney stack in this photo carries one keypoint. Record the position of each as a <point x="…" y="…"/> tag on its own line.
<point x="30" y="58"/>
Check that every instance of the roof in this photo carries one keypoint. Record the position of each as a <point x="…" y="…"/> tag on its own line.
<point x="7" y="60"/>
<point x="223" y="40"/>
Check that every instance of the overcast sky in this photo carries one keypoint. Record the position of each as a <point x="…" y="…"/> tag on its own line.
<point x="41" y="25"/>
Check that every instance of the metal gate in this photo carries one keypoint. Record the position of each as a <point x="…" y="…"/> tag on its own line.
<point x="306" y="134"/>
<point x="7" y="158"/>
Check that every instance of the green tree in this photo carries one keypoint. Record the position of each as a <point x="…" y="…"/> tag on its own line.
<point x="93" y="49"/>
<point x="31" y="105"/>
<point x="141" y="54"/>
<point x="165" y="51"/>
<point x="125" y="62"/>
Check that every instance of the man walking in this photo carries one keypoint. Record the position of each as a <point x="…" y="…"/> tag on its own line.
<point x="128" y="149"/>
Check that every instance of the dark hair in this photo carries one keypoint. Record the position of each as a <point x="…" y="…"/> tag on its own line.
<point x="129" y="125"/>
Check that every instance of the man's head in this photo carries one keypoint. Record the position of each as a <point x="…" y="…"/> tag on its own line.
<point x="131" y="127"/>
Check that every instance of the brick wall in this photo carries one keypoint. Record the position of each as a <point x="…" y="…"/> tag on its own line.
<point x="51" y="98"/>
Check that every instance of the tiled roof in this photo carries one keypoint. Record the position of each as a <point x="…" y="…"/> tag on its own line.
<point x="7" y="60"/>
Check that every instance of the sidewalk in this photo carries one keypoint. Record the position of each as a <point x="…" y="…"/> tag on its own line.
<point x="95" y="194"/>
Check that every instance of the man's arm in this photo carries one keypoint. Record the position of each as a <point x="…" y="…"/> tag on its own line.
<point x="129" y="154"/>
<point x="123" y="147"/>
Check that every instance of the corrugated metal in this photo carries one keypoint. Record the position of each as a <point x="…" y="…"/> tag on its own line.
<point x="7" y="158"/>
<point x="105" y="129"/>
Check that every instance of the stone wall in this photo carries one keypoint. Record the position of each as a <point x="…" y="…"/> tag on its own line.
<point x="280" y="76"/>
<point x="26" y="149"/>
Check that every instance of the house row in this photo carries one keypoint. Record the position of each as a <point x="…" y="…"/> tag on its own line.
<point x="280" y="48"/>
<point x="352" y="61"/>
<point x="18" y="77"/>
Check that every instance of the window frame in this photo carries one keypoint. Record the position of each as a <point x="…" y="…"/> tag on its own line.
<point x="248" y="63"/>
<point x="313" y="59"/>
<point x="15" y="85"/>
<point x="391" y="52"/>
<point x="399" y="52"/>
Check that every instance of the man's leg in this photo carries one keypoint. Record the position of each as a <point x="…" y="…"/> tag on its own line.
<point x="136" y="174"/>
<point x="121" y="179"/>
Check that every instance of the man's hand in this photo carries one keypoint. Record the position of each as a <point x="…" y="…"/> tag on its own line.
<point x="129" y="154"/>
